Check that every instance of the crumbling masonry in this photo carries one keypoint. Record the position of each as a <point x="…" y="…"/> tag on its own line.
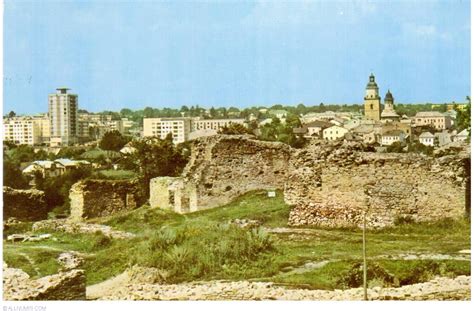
<point x="220" y="169"/>
<point x="326" y="183"/>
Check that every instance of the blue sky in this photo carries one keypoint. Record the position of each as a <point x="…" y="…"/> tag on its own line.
<point x="233" y="53"/>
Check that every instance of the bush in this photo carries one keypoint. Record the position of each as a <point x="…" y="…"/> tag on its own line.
<point x="101" y="240"/>
<point x="375" y="275"/>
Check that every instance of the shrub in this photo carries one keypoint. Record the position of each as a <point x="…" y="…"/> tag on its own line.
<point x="101" y="240"/>
<point x="375" y="274"/>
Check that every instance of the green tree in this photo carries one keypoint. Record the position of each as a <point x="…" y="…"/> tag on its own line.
<point x="417" y="147"/>
<point x="56" y="189"/>
<point x="157" y="157"/>
<point x="113" y="140"/>
<point x="22" y="153"/>
<point x="125" y="112"/>
<point x="70" y="153"/>
<point x="235" y="129"/>
<point x="395" y="147"/>
<point x="148" y="112"/>
<point x="213" y="112"/>
<point x="463" y="117"/>
<point x="12" y="176"/>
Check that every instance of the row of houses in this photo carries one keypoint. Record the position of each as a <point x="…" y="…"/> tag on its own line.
<point x="53" y="168"/>
<point x="384" y="134"/>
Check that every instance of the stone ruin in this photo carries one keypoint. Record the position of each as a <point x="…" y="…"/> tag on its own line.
<point x="334" y="184"/>
<point x="24" y="205"/>
<point x="98" y="198"/>
<point x="221" y="168"/>
<point x="327" y="183"/>
<point x="65" y="285"/>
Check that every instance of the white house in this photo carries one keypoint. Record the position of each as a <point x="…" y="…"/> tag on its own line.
<point x="334" y="132"/>
<point x="314" y="128"/>
<point x="461" y="136"/>
<point x="392" y="136"/>
<point x="46" y="168"/>
<point x="427" y="139"/>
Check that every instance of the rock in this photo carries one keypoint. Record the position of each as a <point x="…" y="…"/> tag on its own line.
<point x="246" y="223"/>
<point x="65" y="225"/>
<point x="70" y="260"/>
<point x="17" y="285"/>
<point x="17" y="237"/>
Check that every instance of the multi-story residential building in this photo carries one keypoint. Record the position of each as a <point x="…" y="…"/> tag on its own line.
<point x="44" y="126"/>
<point x="63" y="115"/>
<point x="334" y="132"/>
<point x="435" y="119"/>
<point x="95" y="117"/>
<point x="127" y="124"/>
<point x="213" y="124"/>
<point x="161" y="127"/>
<point x="22" y="130"/>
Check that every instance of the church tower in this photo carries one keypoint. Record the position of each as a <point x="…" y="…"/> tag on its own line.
<point x="372" y="107"/>
<point x="389" y="112"/>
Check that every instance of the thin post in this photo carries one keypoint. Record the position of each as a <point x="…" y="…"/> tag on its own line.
<point x="365" y="260"/>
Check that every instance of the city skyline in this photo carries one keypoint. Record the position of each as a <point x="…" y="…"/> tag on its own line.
<point x="133" y="55"/>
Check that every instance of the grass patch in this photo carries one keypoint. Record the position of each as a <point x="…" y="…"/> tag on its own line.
<point x="215" y="251"/>
<point x="36" y="262"/>
<point x="143" y="219"/>
<point x="115" y="174"/>
<point x="272" y="212"/>
<point x="326" y="277"/>
<point x="203" y="246"/>
<point x="416" y="271"/>
<point x="16" y="228"/>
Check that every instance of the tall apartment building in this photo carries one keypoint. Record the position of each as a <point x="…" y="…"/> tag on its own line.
<point x="22" y="130"/>
<point x="214" y="124"/>
<point x="161" y="127"/>
<point x="63" y="114"/>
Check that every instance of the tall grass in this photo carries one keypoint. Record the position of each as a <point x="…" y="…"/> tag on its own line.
<point x="198" y="251"/>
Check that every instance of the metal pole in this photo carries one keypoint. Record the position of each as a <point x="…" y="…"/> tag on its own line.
<point x="365" y="260"/>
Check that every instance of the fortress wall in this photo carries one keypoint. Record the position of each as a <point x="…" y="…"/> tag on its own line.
<point x="99" y="198"/>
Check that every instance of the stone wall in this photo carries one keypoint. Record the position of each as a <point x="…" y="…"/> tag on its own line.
<point x="327" y="183"/>
<point x="67" y="285"/>
<point x="221" y="168"/>
<point x="333" y="184"/>
<point x="27" y="205"/>
<point x="99" y="198"/>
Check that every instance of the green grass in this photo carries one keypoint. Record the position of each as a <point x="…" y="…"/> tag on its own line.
<point x="143" y="219"/>
<point x="115" y="174"/>
<point x="36" y="262"/>
<point x="272" y="212"/>
<point x="202" y="246"/>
